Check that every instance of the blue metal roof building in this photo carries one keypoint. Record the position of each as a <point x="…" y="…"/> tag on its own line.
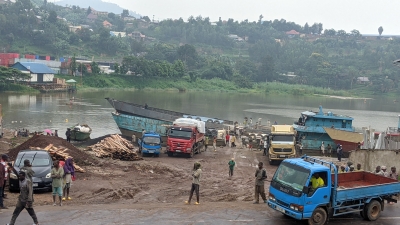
<point x="40" y="73"/>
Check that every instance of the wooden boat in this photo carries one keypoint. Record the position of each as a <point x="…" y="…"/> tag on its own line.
<point x="80" y="132"/>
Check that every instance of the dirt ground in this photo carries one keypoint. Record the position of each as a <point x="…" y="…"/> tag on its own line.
<point x="158" y="179"/>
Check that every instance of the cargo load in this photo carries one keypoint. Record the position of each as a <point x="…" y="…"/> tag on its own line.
<point x="186" y="122"/>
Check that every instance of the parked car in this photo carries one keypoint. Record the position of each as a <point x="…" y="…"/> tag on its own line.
<point x="41" y="164"/>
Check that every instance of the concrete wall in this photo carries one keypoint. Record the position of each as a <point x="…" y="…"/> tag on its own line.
<point x="369" y="159"/>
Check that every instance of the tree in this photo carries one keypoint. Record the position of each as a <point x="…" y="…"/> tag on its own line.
<point x="89" y="10"/>
<point x="380" y="30"/>
<point x="73" y="65"/>
<point x="116" y="68"/>
<point x="52" y="16"/>
<point x="260" y="19"/>
<point x="146" y="18"/>
<point x="111" y="15"/>
<point x="95" y="68"/>
<point x="125" y="13"/>
<point x="12" y="74"/>
<point x="188" y="54"/>
<point x="306" y="28"/>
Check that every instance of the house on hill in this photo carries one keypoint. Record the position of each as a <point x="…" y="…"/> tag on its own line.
<point x="292" y="34"/>
<point x="107" y="24"/>
<point x="91" y="17"/>
<point x="362" y="80"/>
<point x="40" y="73"/>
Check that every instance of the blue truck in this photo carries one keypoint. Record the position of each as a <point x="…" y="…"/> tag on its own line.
<point x="291" y="192"/>
<point x="150" y="143"/>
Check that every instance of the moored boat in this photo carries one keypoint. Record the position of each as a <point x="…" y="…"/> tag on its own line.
<point x="80" y="132"/>
<point x="133" y="118"/>
<point x="311" y="131"/>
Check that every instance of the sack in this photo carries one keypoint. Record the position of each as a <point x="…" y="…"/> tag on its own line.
<point x="73" y="178"/>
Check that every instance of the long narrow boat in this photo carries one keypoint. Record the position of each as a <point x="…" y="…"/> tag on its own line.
<point x="133" y="118"/>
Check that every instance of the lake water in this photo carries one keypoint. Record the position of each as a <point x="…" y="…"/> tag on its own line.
<point x="37" y="112"/>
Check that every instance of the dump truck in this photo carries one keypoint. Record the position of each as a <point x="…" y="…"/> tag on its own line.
<point x="292" y="193"/>
<point x="282" y="142"/>
<point x="186" y="136"/>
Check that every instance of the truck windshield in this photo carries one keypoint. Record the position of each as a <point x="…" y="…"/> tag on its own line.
<point x="182" y="134"/>
<point x="291" y="177"/>
<point x="151" y="141"/>
<point x="282" y="138"/>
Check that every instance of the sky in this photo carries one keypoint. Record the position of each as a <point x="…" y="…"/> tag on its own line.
<point x="363" y="15"/>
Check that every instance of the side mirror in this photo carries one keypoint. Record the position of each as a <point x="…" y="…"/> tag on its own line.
<point x="306" y="190"/>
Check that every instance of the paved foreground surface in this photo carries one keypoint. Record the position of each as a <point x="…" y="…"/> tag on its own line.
<point x="206" y="213"/>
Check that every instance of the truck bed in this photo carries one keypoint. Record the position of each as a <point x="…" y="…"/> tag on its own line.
<point x="356" y="185"/>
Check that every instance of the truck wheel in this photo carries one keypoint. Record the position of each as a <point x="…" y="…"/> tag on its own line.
<point x="373" y="210"/>
<point x="318" y="217"/>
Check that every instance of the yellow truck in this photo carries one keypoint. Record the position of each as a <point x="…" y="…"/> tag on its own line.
<point x="282" y="143"/>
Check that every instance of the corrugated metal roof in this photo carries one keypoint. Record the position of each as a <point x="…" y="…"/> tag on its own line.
<point x="37" y="67"/>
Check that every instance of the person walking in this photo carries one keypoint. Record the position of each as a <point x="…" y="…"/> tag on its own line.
<point x="231" y="164"/>
<point x="227" y="138"/>
<point x="3" y="161"/>
<point x="215" y="144"/>
<point x="56" y="133"/>
<point x="57" y="174"/>
<point x="233" y="140"/>
<point x="68" y="134"/>
<point x="27" y="168"/>
<point x="206" y="143"/>
<point x="2" y="184"/>
<point x="339" y="151"/>
<point x="261" y="175"/>
<point x="265" y="147"/>
<point x="196" y="174"/>
<point x="69" y="174"/>
<point x="25" y="200"/>
<point x="322" y="149"/>
<point x="329" y="148"/>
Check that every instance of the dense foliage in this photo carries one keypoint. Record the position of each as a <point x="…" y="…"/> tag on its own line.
<point x="244" y="52"/>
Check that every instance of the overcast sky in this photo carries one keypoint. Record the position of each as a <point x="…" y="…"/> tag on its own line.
<point x="363" y="15"/>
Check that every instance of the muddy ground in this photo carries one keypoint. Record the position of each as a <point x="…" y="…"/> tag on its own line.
<point x="158" y="179"/>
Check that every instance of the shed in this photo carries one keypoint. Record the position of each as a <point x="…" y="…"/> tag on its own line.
<point x="39" y="72"/>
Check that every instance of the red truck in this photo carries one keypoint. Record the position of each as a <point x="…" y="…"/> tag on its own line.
<point x="186" y="136"/>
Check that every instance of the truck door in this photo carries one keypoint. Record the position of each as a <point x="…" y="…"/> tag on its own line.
<point x="317" y="196"/>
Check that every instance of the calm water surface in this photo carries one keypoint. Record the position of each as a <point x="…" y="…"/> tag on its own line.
<point x="55" y="111"/>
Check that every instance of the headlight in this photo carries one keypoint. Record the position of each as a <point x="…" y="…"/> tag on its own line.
<point x="188" y="149"/>
<point x="297" y="207"/>
<point x="48" y="175"/>
<point x="145" y="149"/>
<point x="13" y="176"/>
<point x="273" y="156"/>
<point x="271" y="197"/>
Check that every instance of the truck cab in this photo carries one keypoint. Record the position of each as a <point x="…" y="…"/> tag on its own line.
<point x="282" y="142"/>
<point x="293" y="194"/>
<point x="150" y="143"/>
<point x="186" y="136"/>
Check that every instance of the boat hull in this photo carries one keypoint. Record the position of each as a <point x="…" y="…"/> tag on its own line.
<point x="79" y="136"/>
<point x="131" y="124"/>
